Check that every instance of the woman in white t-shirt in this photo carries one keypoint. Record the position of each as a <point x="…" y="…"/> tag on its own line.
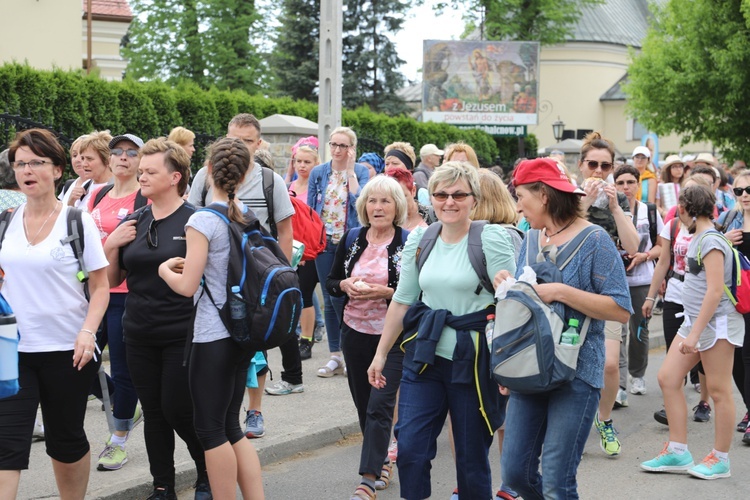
<point x="216" y="360"/>
<point x="57" y="359"/>
<point x="94" y="156"/>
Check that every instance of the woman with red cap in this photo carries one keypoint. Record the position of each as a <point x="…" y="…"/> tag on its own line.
<point x="593" y="286"/>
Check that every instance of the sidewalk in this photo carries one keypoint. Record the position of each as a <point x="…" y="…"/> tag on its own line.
<point x="295" y="424"/>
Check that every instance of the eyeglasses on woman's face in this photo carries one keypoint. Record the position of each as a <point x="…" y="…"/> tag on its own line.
<point x="34" y="164"/>
<point x="456" y="196"/>
<point x="335" y="146"/>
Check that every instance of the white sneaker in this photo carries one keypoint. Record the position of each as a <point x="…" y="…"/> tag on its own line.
<point x="38" y="429"/>
<point x="638" y="386"/>
<point x="621" y="401"/>
<point x="282" y="388"/>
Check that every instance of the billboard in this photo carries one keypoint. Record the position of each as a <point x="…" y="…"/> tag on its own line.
<point x="480" y="82"/>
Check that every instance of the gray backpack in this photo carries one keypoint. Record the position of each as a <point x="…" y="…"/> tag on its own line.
<point x="526" y="354"/>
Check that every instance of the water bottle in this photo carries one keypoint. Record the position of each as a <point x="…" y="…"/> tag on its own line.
<point x="570" y="336"/>
<point x="237" y="311"/>
<point x="489" y="329"/>
<point x="8" y="355"/>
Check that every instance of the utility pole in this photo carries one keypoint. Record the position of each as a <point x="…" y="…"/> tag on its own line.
<point x="330" y="72"/>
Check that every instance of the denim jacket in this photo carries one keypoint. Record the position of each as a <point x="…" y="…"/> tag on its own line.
<point x="736" y="219"/>
<point x="318" y="183"/>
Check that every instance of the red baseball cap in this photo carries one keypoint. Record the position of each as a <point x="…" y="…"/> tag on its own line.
<point x="547" y="171"/>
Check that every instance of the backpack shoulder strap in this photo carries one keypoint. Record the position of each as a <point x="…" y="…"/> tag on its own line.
<point x="573" y="246"/>
<point x="5" y="219"/>
<point x="74" y="222"/>
<point x="673" y="232"/>
<point x="729" y="219"/>
<point x="532" y="246"/>
<point x="429" y="237"/>
<point x="268" y="181"/>
<point x="652" y="222"/>
<point x="477" y="258"/>
<point x="140" y="200"/>
<point x="102" y="192"/>
<point x="217" y="209"/>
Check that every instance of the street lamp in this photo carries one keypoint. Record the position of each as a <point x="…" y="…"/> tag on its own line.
<point x="557" y="129"/>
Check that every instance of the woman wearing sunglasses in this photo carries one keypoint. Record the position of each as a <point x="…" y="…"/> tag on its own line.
<point x="648" y="224"/>
<point x="442" y="369"/>
<point x="738" y="232"/>
<point x="596" y="164"/>
<point x="156" y="319"/>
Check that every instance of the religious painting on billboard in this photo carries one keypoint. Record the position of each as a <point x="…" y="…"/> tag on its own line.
<point x="480" y="83"/>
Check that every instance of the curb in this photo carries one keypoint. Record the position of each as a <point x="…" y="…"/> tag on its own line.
<point x="185" y="471"/>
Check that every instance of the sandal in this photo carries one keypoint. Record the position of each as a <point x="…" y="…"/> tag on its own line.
<point x="363" y="493"/>
<point x="335" y="366"/>
<point x="385" y="477"/>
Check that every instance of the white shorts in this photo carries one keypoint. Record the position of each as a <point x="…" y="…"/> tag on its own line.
<point x="730" y="327"/>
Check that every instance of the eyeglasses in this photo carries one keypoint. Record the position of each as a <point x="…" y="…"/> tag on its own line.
<point x="132" y="153"/>
<point x="739" y="191"/>
<point x="605" y="165"/>
<point x="152" y="237"/>
<point x="338" y="146"/>
<point x="622" y="183"/>
<point x="455" y="196"/>
<point x="34" y="164"/>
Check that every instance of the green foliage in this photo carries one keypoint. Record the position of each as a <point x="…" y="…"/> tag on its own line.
<point x="294" y="60"/>
<point x="692" y="75"/>
<point x="80" y="103"/>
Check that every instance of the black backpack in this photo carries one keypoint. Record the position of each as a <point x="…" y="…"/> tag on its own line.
<point x="268" y="285"/>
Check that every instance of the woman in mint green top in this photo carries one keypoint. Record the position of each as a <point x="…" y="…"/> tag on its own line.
<point x="454" y="374"/>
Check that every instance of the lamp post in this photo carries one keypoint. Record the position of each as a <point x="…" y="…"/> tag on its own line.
<point x="557" y="129"/>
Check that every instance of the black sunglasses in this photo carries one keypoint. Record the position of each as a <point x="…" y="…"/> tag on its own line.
<point x="739" y="191"/>
<point x="152" y="237"/>
<point x="605" y="165"/>
<point x="132" y="153"/>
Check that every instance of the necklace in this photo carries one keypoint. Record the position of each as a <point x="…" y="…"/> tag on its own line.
<point x="30" y="241"/>
<point x="560" y="230"/>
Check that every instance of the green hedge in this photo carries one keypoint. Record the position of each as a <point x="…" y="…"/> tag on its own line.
<point x="73" y="104"/>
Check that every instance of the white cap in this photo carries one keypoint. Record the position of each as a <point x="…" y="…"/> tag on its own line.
<point x="642" y="150"/>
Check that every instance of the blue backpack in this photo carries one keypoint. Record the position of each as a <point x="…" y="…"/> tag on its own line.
<point x="269" y="288"/>
<point x="8" y="351"/>
<point x="526" y="355"/>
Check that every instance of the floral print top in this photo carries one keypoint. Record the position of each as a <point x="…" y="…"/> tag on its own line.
<point x="334" y="206"/>
<point x="368" y="316"/>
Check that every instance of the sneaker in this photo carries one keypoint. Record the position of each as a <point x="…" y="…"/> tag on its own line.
<point x="137" y="416"/>
<point x="697" y="387"/>
<point x="668" y="461"/>
<point x="162" y="493"/>
<point x="38" y="434"/>
<point x="113" y="457"/>
<point x="621" y="401"/>
<point x="742" y="426"/>
<point x="319" y="333"/>
<point x="203" y="487"/>
<point x="661" y="416"/>
<point x="305" y="349"/>
<point x="702" y="412"/>
<point x="282" y="388"/>
<point x="711" y="468"/>
<point x="393" y="451"/>
<point x="609" y="443"/>
<point x="658" y="307"/>
<point x="746" y="436"/>
<point x="638" y="386"/>
<point x="254" y="426"/>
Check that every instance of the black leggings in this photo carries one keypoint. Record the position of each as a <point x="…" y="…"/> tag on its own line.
<point x="161" y="382"/>
<point x="308" y="279"/>
<point x="741" y="370"/>
<point x="671" y="326"/>
<point x="218" y="372"/>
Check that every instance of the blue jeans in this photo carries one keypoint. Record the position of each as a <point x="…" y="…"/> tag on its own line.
<point x="570" y="411"/>
<point x="125" y="398"/>
<point x="423" y="405"/>
<point x="333" y="307"/>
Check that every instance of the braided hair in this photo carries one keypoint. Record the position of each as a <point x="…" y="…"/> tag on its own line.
<point x="230" y="161"/>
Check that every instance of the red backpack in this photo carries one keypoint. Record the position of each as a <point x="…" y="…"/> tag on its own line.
<point x="307" y="228"/>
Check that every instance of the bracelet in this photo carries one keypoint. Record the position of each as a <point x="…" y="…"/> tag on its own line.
<point x="89" y="332"/>
<point x="651" y="299"/>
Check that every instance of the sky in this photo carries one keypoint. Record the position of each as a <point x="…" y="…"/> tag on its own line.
<point x="422" y="24"/>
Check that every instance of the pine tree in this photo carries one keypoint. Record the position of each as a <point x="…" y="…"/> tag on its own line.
<point x="294" y="60"/>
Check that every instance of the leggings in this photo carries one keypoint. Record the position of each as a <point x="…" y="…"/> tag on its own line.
<point x="671" y="325"/>
<point x="741" y="370"/>
<point x="218" y="372"/>
<point x="161" y="382"/>
<point x="308" y="279"/>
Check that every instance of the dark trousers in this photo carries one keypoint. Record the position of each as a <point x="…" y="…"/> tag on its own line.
<point x="161" y="382"/>
<point x="374" y="406"/>
<point x="741" y="369"/>
<point x="291" y="361"/>
<point x="218" y="372"/>
<point x="671" y="325"/>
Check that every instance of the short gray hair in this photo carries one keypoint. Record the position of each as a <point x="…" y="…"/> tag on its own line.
<point x="7" y="175"/>
<point x="381" y="184"/>
<point x="451" y="172"/>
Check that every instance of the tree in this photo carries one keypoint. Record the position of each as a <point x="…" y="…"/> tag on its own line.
<point x="370" y="58"/>
<point x="294" y="60"/>
<point x="692" y="75"/>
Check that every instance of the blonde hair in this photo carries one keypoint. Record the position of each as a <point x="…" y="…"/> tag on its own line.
<point x="405" y="148"/>
<point x="347" y="132"/>
<point x="451" y="172"/>
<point x="388" y="186"/>
<point x="181" y="136"/>
<point x="175" y="159"/>
<point x="309" y="150"/>
<point x="495" y="205"/>
<point x="461" y="147"/>
<point x="99" y="142"/>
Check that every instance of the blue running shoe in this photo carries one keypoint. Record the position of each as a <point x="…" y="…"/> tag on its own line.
<point x="712" y="467"/>
<point x="668" y="461"/>
<point x="254" y="425"/>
